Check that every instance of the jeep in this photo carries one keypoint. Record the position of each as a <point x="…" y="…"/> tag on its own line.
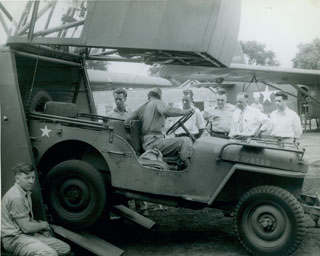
<point x="87" y="162"/>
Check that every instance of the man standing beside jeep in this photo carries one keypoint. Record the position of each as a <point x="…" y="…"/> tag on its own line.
<point x="153" y="116"/>
<point x="120" y="111"/>
<point x="248" y="121"/>
<point x="219" y="117"/>
<point x="286" y="123"/>
<point x="195" y="124"/>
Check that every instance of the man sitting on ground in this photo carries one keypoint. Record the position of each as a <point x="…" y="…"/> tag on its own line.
<point x="21" y="234"/>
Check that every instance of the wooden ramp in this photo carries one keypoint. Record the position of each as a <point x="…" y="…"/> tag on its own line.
<point x="133" y="216"/>
<point x="97" y="245"/>
<point x="88" y="241"/>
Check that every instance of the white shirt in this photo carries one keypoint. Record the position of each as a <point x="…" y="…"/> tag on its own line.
<point x="220" y="119"/>
<point x="258" y="106"/>
<point x="248" y="122"/>
<point x="286" y="124"/>
<point x="195" y="123"/>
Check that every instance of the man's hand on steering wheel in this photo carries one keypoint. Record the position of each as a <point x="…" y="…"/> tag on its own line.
<point x="180" y="123"/>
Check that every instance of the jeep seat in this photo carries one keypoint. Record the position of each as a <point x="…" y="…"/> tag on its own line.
<point x="64" y="109"/>
<point x="136" y="131"/>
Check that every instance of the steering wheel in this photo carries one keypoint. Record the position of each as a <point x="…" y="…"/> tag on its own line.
<point x="180" y="123"/>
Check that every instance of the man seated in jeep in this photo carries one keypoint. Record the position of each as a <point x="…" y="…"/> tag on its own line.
<point x="153" y="116"/>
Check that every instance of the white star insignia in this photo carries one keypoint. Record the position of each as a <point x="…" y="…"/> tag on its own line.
<point x="45" y="131"/>
<point x="266" y="94"/>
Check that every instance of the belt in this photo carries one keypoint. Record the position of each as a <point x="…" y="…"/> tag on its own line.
<point x="221" y="133"/>
<point x="149" y="136"/>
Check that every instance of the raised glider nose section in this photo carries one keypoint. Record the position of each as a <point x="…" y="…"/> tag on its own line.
<point x="185" y="32"/>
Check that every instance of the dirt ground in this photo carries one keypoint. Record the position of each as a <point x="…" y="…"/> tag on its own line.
<point x="205" y="232"/>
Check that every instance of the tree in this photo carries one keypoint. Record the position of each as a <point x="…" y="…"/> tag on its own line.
<point x="258" y="55"/>
<point x="308" y="55"/>
<point x="97" y="65"/>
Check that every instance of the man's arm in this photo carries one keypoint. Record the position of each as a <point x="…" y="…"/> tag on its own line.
<point x="20" y="213"/>
<point x="233" y="125"/>
<point x="206" y="115"/>
<point x="200" y="123"/>
<point x="169" y="111"/>
<point x="265" y="124"/>
<point x="32" y="226"/>
<point x="297" y="127"/>
<point x="133" y="116"/>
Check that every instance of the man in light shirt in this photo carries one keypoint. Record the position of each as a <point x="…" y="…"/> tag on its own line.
<point x="248" y="121"/>
<point x="195" y="124"/>
<point x="21" y="234"/>
<point x="286" y="123"/>
<point x="256" y="104"/>
<point x="120" y="111"/>
<point x="219" y="117"/>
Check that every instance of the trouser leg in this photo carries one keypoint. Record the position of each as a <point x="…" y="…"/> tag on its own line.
<point x="25" y="245"/>
<point x="171" y="146"/>
<point x="59" y="246"/>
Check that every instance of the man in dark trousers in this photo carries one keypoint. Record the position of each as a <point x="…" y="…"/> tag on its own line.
<point x="21" y="234"/>
<point x="153" y="116"/>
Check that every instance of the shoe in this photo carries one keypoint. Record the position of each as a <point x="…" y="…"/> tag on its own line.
<point x="145" y="213"/>
<point x="114" y="216"/>
<point x="184" y="164"/>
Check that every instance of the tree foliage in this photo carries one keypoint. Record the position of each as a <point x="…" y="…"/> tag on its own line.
<point x="97" y="65"/>
<point x="258" y="55"/>
<point x="308" y="55"/>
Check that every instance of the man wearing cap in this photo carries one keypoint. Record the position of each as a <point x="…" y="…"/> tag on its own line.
<point x="219" y="117"/>
<point x="153" y="116"/>
<point x="195" y="124"/>
<point x="120" y="111"/>
<point x="286" y="123"/>
<point x="246" y="120"/>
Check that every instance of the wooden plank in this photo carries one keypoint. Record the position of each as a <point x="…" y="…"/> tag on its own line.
<point x="134" y="216"/>
<point x="90" y="242"/>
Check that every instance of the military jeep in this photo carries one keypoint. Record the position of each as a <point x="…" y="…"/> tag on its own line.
<point x="87" y="162"/>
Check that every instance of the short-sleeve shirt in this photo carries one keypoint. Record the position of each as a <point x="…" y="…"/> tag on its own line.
<point x="15" y="204"/>
<point x="220" y="119"/>
<point x="257" y="106"/>
<point x="195" y="123"/>
<point x="115" y="113"/>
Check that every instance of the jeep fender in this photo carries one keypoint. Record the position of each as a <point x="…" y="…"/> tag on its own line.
<point x="256" y="169"/>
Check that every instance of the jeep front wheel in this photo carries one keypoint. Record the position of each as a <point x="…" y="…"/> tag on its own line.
<point x="269" y="221"/>
<point x="75" y="194"/>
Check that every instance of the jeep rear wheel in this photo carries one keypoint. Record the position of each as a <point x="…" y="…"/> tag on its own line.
<point x="269" y="221"/>
<point x="75" y="194"/>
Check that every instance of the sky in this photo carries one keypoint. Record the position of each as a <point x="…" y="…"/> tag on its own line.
<point x="280" y="24"/>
